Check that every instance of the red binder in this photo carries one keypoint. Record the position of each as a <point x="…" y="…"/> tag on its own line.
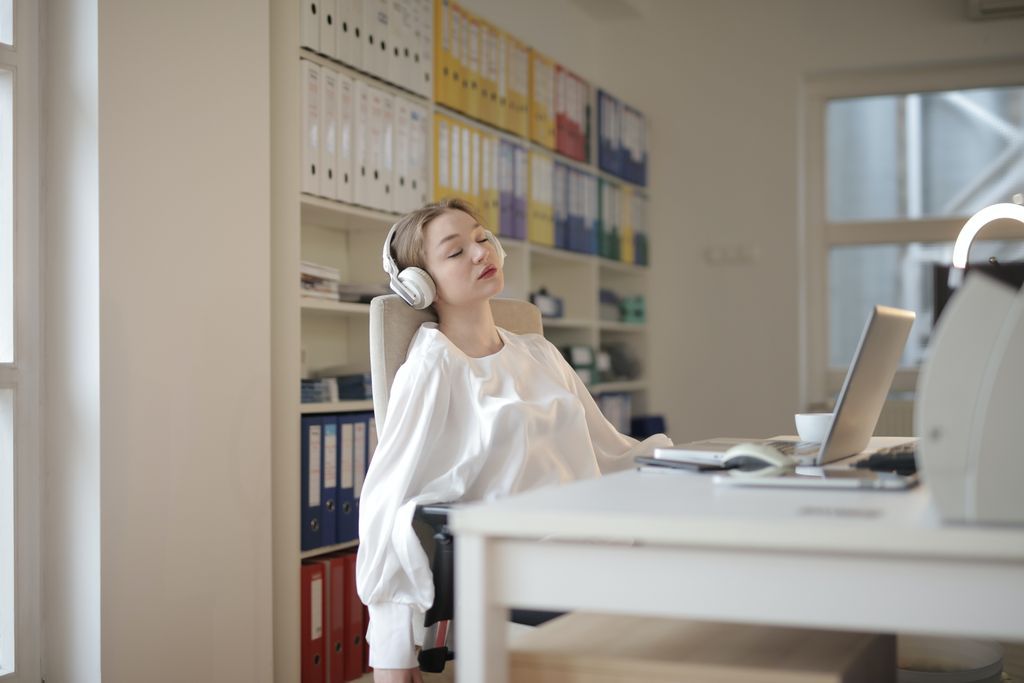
<point x="312" y="649"/>
<point x="334" y="611"/>
<point x="366" y="646"/>
<point x="353" y="650"/>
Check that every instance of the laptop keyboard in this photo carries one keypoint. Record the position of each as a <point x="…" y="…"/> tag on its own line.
<point x="795" y="447"/>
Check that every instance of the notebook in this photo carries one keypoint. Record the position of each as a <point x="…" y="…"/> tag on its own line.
<point x="857" y="409"/>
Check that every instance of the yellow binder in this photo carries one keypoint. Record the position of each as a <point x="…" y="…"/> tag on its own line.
<point x="540" y="228"/>
<point x="443" y="63"/>
<point x="489" y="196"/>
<point x="542" y="100"/>
<point x="517" y="74"/>
<point x="488" y="72"/>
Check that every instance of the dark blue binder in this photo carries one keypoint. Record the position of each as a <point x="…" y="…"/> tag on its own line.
<point x="362" y="462"/>
<point x="348" y="523"/>
<point x="311" y="478"/>
<point x="329" y="486"/>
<point x="574" y="200"/>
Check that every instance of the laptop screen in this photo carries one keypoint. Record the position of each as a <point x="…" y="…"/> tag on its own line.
<point x="867" y="382"/>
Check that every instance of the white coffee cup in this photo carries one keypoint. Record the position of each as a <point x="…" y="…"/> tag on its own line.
<point x="813" y="426"/>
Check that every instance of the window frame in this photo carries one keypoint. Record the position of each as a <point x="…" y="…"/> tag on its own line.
<point x="24" y="375"/>
<point x="819" y="382"/>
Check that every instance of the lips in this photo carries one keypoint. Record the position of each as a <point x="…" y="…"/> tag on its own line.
<point x="488" y="272"/>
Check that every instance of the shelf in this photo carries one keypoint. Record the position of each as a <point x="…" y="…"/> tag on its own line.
<point x="612" y="326"/>
<point x="585" y="166"/>
<point x="609" y="387"/>
<point x="306" y="53"/>
<point x="567" y="323"/>
<point x="331" y="213"/>
<point x="621" y="267"/>
<point x="340" y="307"/>
<point x="317" y="552"/>
<point x="337" y="407"/>
<point x="561" y="254"/>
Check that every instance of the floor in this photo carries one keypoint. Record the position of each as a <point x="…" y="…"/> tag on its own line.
<point x="1013" y="668"/>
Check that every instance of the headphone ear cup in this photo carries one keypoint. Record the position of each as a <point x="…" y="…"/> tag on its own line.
<point x="493" y="239"/>
<point x="420" y="287"/>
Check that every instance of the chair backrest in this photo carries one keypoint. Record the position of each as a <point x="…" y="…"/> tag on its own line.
<point x="393" y="323"/>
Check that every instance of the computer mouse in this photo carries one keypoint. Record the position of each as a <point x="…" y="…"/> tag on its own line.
<point x="758" y="459"/>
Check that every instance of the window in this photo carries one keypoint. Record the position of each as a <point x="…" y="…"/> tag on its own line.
<point x="894" y="164"/>
<point x="19" y="342"/>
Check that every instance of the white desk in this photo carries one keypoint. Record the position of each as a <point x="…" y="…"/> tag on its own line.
<point x="676" y="545"/>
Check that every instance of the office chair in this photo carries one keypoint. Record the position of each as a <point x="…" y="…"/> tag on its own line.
<point x="393" y="323"/>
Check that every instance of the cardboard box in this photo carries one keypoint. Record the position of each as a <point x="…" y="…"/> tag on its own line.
<point x="597" y="648"/>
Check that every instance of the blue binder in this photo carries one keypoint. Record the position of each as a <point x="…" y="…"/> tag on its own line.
<point x="348" y="524"/>
<point x="311" y="463"/>
<point x="575" y="203"/>
<point x="366" y="440"/>
<point x="329" y="490"/>
<point x="506" y="189"/>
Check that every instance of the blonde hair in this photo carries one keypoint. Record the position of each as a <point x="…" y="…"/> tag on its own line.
<point x="407" y="244"/>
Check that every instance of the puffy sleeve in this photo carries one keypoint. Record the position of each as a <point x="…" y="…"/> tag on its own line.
<point x="614" y="451"/>
<point x="393" y="576"/>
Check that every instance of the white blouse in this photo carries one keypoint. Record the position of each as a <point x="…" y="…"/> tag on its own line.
<point x="468" y="429"/>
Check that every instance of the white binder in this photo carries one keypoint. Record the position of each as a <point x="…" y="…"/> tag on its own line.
<point x="350" y="32"/>
<point x="309" y="23"/>
<point x="328" y="132"/>
<point x="423" y="57"/>
<point x="474" y="159"/>
<point x="466" y="163"/>
<point x="386" y="184"/>
<point x="310" y="103"/>
<point x="404" y="200"/>
<point x="419" y="154"/>
<point x="362" y="169"/>
<point x="374" y="132"/>
<point x="328" y="10"/>
<point x="455" y="156"/>
<point x="399" y="37"/>
<point x="375" y="43"/>
<point x="343" y="167"/>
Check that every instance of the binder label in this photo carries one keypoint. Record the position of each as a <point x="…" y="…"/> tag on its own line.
<point x="330" y="456"/>
<point x="346" y="455"/>
<point x="316" y="608"/>
<point x="314" y="466"/>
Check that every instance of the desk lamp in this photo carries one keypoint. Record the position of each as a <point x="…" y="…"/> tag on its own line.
<point x="971" y="228"/>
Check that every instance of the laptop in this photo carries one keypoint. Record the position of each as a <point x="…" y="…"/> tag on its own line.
<point x="857" y="409"/>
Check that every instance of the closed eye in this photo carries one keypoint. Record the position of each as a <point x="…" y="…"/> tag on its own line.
<point x="458" y="253"/>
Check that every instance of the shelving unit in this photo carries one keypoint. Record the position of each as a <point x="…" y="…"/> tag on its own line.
<point x="312" y="334"/>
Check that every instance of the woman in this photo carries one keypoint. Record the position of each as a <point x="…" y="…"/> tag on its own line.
<point x="475" y="413"/>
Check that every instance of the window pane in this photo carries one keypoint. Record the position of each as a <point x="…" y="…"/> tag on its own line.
<point x="924" y="155"/>
<point x="893" y="275"/>
<point x="7" y="22"/>
<point x="6" y="219"/>
<point x="6" y="530"/>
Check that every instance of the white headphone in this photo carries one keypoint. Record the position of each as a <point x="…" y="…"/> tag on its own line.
<point x="414" y="285"/>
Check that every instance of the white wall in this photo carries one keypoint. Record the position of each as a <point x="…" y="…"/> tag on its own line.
<point x="720" y="82"/>
<point x="158" y="313"/>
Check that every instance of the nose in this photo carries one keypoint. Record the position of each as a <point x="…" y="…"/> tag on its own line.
<point x="480" y="252"/>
